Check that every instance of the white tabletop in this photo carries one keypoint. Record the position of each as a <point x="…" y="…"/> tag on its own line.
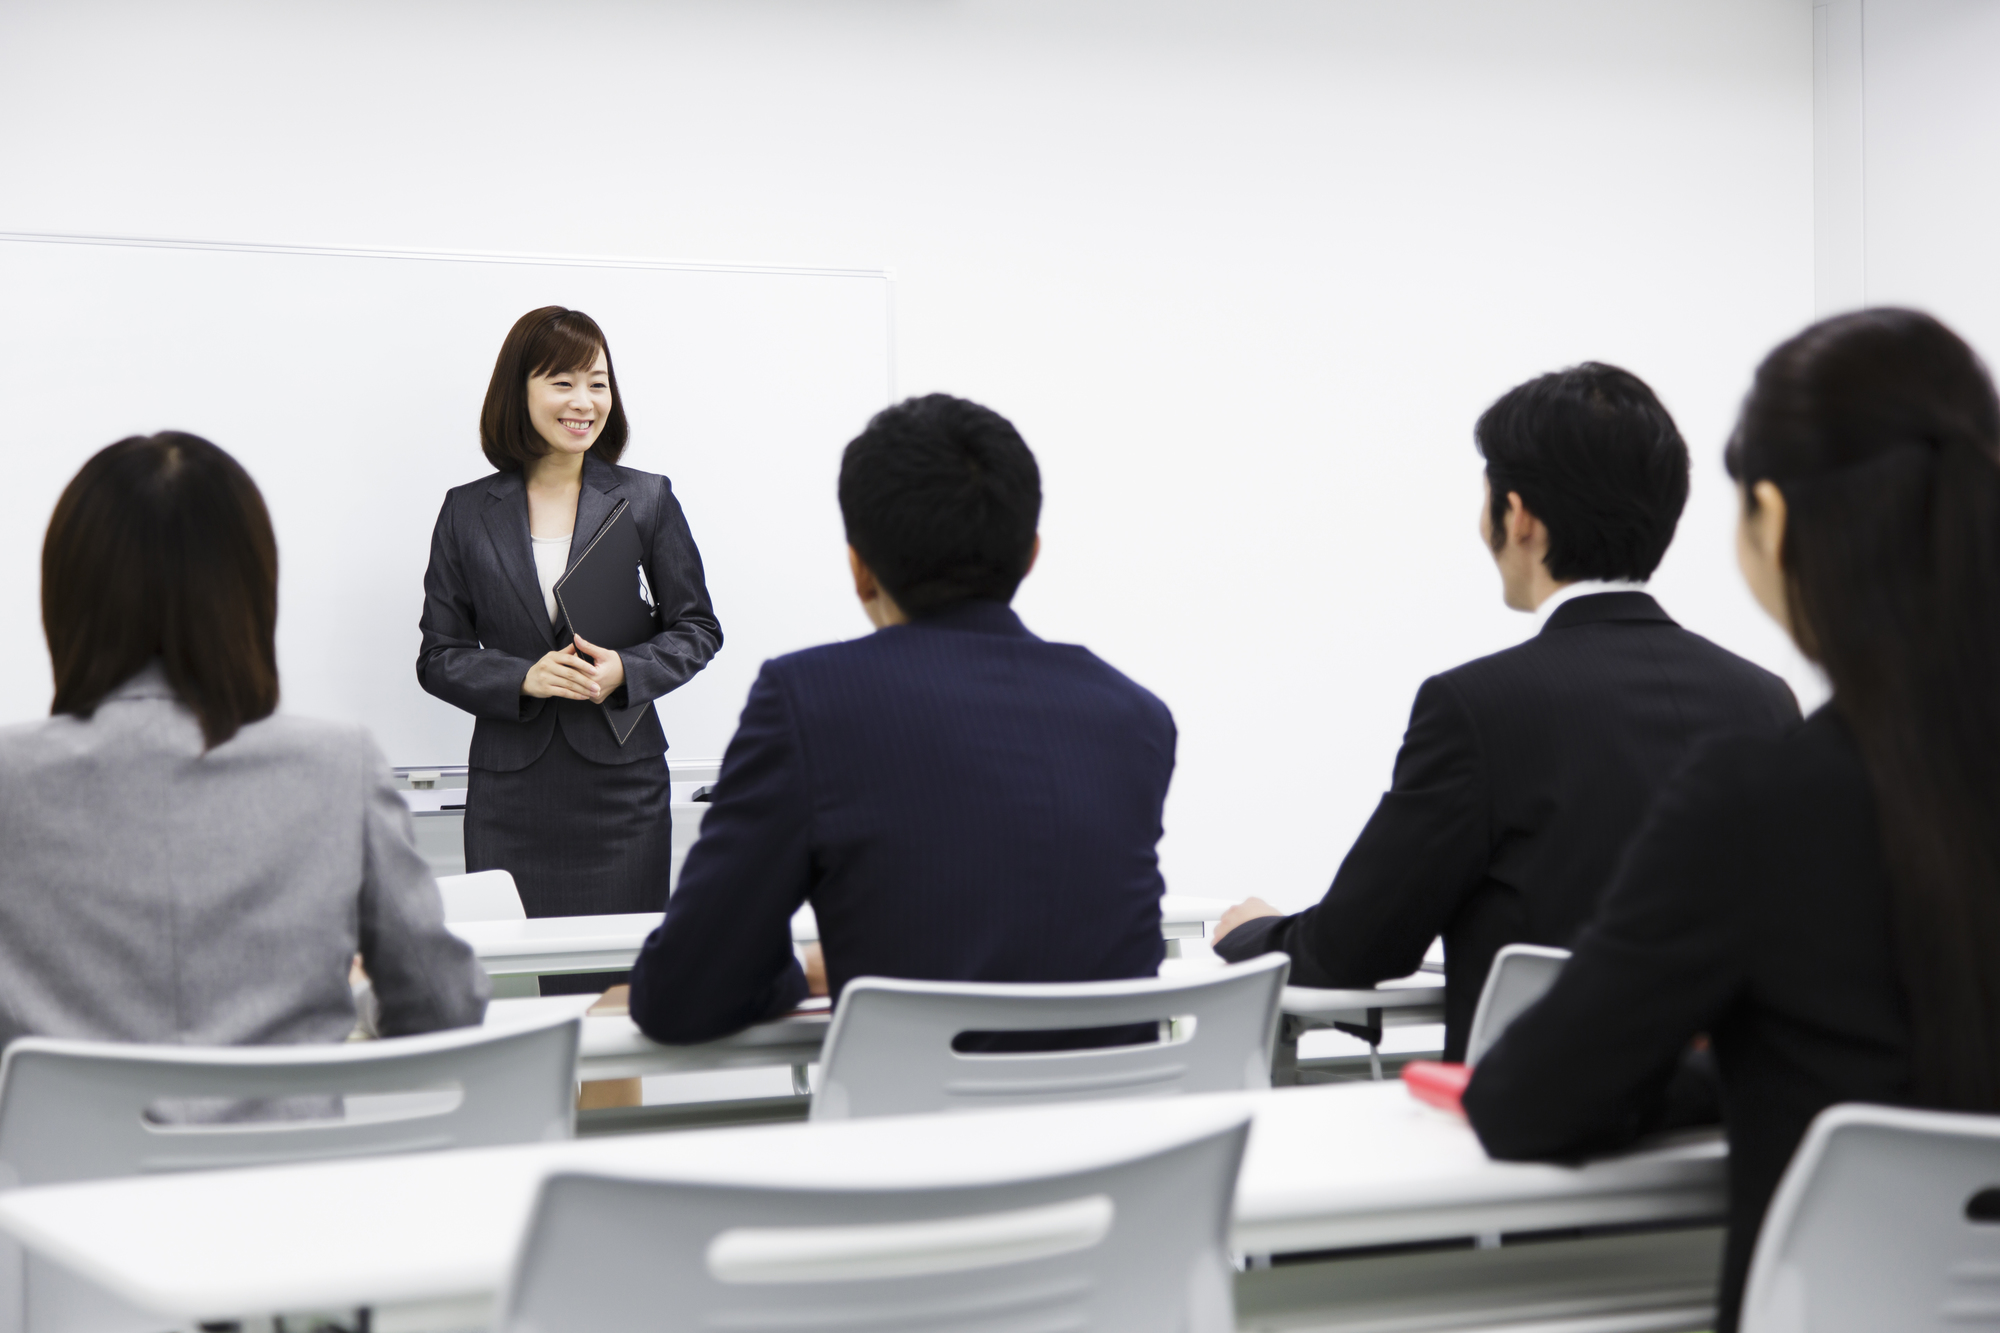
<point x="451" y="800"/>
<point x="1341" y="1165"/>
<point x="543" y="946"/>
<point x="551" y="945"/>
<point x="1419" y="991"/>
<point x="613" y="1047"/>
<point x="435" y="801"/>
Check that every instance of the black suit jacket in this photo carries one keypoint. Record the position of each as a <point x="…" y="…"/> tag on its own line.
<point x="958" y="799"/>
<point x="485" y="624"/>
<point x="1753" y="905"/>
<point x="1520" y="779"/>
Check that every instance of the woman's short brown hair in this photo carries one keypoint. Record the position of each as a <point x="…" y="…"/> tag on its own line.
<point x="161" y="548"/>
<point x="540" y="343"/>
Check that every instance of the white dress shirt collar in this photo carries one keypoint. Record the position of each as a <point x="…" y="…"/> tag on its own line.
<point x="1571" y="591"/>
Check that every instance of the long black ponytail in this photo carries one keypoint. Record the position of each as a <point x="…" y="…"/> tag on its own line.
<point x="1882" y="431"/>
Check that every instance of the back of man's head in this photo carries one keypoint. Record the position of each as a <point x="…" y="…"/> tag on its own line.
<point x="1593" y="454"/>
<point x="941" y="498"/>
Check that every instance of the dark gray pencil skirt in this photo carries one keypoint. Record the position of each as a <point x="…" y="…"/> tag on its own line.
<point x="580" y="839"/>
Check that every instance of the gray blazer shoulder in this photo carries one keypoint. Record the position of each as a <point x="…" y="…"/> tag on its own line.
<point x="158" y="892"/>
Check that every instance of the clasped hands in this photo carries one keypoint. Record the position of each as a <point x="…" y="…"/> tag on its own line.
<point x="581" y="671"/>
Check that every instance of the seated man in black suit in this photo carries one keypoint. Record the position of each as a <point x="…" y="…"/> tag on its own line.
<point x="1523" y="774"/>
<point x="956" y="798"/>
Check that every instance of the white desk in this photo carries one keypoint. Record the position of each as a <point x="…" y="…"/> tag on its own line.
<point x="451" y="800"/>
<point x="1418" y="998"/>
<point x="426" y="1239"/>
<point x="439" y="813"/>
<point x="553" y="945"/>
<point x="613" y="1047"/>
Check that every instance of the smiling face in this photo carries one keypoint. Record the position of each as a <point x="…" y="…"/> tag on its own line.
<point x="568" y="408"/>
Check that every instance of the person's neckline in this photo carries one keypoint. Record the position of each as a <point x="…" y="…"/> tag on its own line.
<point x="561" y="537"/>
<point x="1570" y="592"/>
<point x="976" y="614"/>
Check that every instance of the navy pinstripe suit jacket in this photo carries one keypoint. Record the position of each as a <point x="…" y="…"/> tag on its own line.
<point x="958" y="800"/>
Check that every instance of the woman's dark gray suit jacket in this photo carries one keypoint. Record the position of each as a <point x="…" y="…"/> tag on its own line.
<point x="485" y="623"/>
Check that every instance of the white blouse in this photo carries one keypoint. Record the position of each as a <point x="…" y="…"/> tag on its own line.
<point x="551" y="559"/>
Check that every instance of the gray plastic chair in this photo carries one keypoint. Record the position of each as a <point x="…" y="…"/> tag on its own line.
<point x="888" y="1050"/>
<point x="1139" y="1243"/>
<point x="1521" y="975"/>
<point x="1886" y="1219"/>
<point x="76" y="1110"/>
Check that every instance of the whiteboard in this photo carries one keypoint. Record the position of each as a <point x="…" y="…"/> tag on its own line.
<point x="349" y="383"/>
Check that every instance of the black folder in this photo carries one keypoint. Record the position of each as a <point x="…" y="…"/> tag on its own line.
<point x="603" y="597"/>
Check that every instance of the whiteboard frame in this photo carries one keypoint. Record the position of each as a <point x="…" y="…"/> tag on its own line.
<point x="885" y="275"/>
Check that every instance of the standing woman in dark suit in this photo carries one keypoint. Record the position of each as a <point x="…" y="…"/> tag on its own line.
<point x="580" y="820"/>
<point x="1825" y="905"/>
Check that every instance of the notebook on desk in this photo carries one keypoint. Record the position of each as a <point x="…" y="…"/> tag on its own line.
<point x="604" y="598"/>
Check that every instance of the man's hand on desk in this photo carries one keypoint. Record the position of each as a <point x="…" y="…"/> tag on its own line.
<point x="1247" y="910"/>
<point x="815" y="965"/>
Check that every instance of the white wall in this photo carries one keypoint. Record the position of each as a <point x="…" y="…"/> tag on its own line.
<point x="1840" y="157"/>
<point x="1244" y="273"/>
<point x="1933" y="161"/>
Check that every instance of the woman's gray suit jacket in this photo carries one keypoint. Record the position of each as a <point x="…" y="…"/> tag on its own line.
<point x="154" y="892"/>
<point x="485" y="624"/>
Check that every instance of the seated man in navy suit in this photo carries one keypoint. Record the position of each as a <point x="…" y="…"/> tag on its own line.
<point x="958" y="799"/>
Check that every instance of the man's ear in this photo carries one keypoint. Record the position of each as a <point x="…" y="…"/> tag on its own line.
<point x="1034" y="554"/>
<point x="865" y="586"/>
<point x="1522" y="527"/>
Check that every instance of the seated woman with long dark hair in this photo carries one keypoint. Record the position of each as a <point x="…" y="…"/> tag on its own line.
<point x="182" y="865"/>
<point x="1826" y="905"/>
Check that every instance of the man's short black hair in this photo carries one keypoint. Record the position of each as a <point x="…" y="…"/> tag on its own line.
<point x="941" y="498"/>
<point x="1594" y="455"/>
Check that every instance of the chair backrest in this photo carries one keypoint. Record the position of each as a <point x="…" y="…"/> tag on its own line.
<point x="77" y="1110"/>
<point x="485" y="895"/>
<point x="1138" y="1244"/>
<point x="1521" y="974"/>
<point x="889" y="1048"/>
<point x="1886" y="1218"/>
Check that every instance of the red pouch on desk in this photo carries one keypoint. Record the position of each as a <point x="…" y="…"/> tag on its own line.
<point x="1438" y="1084"/>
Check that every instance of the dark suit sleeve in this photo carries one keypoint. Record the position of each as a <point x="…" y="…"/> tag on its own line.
<point x="1588" y="1069"/>
<point x="451" y="664"/>
<point x="691" y="635"/>
<point x="722" y="959"/>
<point x="1423" y="850"/>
